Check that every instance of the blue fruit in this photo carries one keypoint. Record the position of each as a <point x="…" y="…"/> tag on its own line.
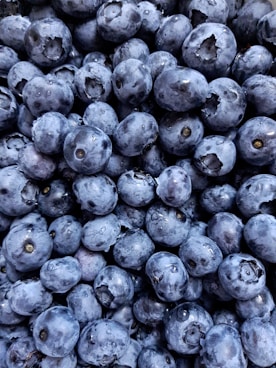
<point x="8" y="109"/>
<point x="201" y="12"/>
<point x="265" y="30"/>
<point x="160" y="60"/>
<point x="22" y="352"/>
<point x="90" y="262"/>
<point x="13" y="29"/>
<point x="149" y="310"/>
<point x="155" y="356"/>
<point x="134" y="48"/>
<point x="130" y="217"/>
<point x="10" y="146"/>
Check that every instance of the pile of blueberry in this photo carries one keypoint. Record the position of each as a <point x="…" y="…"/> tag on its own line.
<point x="137" y="184"/>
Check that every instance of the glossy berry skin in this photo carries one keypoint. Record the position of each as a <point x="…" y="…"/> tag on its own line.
<point x="153" y="160"/>
<point x="149" y="310"/>
<point x="136" y="132"/>
<point x="185" y="326"/>
<point x="69" y="361"/>
<point x="177" y="89"/>
<point x="87" y="149"/>
<point x="130" y="356"/>
<point x="242" y="275"/>
<point x="167" y="275"/>
<point x="257" y="195"/>
<point x="262" y="350"/>
<point x="166" y="225"/>
<point x="179" y="133"/>
<point x="113" y="287"/>
<point x="225" y="105"/>
<point x="158" y="61"/>
<point x="8" y="317"/>
<point x="123" y="315"/>
<point x="130" y="217"/>
<point x="218" y="198"/>
<point x="210" y="48"/>
<point x="174" y="186"/>
<point x="134" y="48"/>
<point x="9" y="57"/>
<point x="266" y="29"/>
<point x="215" y="155"/>
<point x="199" y="12"/>
<point x="226" y="316"/>
<point x="96" y="194"/>
<point x="155" y="356"/>
<point x="13" y="28"/>
<point x="117" y="165"/>
<point x="222" y="347"/>
<point x="22" y="352"/>
<point x="76" y="10"/>
<point x="260" y="235"/>
<point x="56" y="331"/>
<point x="8" y="109"/>
<point x="90" y="262"/>
<point x="117" y="20"/>
<point x="256" y="140"/>
<point x="10" y="146"/>
<point x="102" y="342"/>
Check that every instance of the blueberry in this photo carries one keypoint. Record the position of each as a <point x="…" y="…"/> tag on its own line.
<point x="202" y="12"/>
<point x="222" y="347"/>
<point x="7" y="316"/>
<point x="25" y="120"/>
<point x="8" y="109"/>
<point x="66" y="234"/>
<point x="259" y="341"/>
<point x="90" y="262"/>
<point x="48" y="42"/>
<point x="155" y="356"/>
<point x="69" y="361"/>
<point x="87" y="149"/>
<point x="242" y="275"/>
<point x="166" y="7"/>
<point x="159" y="61"/>
<point x="86" y="37"/>
<point x="47" y="93"/>
<point x="13" y="29"/>
<point x="213" y="288"/>
<point x="153" y="160"/>
<point x="218" y="198"/>
<point x="135" y="133"/>
<point x="131" y="81"/>
<point x="177" y="89"/>
<point x="198" y="179"/>
<point x="66" y="72"/>
<point x="117" y="165"/>
<point x="124" y="315"/>
<point x="179" y="133"/>
<point x="215" y="155"/>
<point x="117" y="20"/>
<point x="185" y="326"/>
<point x="133" y="48"/>
<point x="225" y="105"/>
<point x="82" y="302"/>
<point x="102" y="342"/>
<point x="56" y="331"/>
<point x="8" y="58"/>
<point x="100" y="233"/>
<point x="22" y="352"/>
<point x="129" y="359"/>
<point x="150" y="20"/>
<point x="40" y="11"/>
<point x="133" y="249"/>
<point x="210" y="48"/>
<point x="92" y="82"/>
<point x="130" y="217"/>
<point x="96" y="194"/>
<point x="149" y="310"/>
<point x="10" y="146"/>
<point x="226" y="316"/>
<point x="168" y="275"/>
<point x="266" y="30"/>
<point x="149" y="336"/>
<point x="113" y="287"/>
<point x="87" y="9"/>
<point x="193" y="290"/>
<point x="166" y="225"/>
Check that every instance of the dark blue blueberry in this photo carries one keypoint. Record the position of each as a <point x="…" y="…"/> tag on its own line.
<point x="8" y="58"/>
<point x="4" y="345"/>
<point x="96" y="194"/>
<point x="226" y="316"/>
<point x="101" y="115"/>
<point x="256" y="141"/>
<point x="153" y="160"/>
<point x="266" y="30"/>
<point x="8" y="109"/>
<point x="185" y="327"/>
<point x="259" y="341"/>
<point x="258" y="93"/>
<point x="210" y="48"/>
<point x="102" y="342"/>
<point x="69" y="361"/>
<point x="225" y="105"/>
<point x="256" y="195"/>
<point x="56" y="331"/>
<point x="25" y="120"/>
<point x="130" y="217"/>
<point x="166" y="225"/>
<point x="213" y="288"/>
<point x="87" y="149"/>
<point x="166" y="7"/>
<point x="10" y="146"/>
<point x="28" y="297"/>
<point x="215" y="155"/>
<point x="135" y="133"/>
<point x="86" y="9"/>
<point x="133" y="249"/>
<point x="92" y="82"/>
<point x="56" y="198"/>
<point x="117" y="20"/>
<point x="172" y="32"/>
<point x="226" y="229"/>
<point x="60" y="274"/>
<point x="180" y="89"/>
<point x="234" y="6"/>
<point x="100" y="233"/>
<point x="160" y="60"/>
<point x="179" y="133"/>
<point x="261" y="306"/>
<point x="155" y="356"/>
<point x="218" y="198"/>
<point x="40" y="11"/>
<point x="22" y="352"/>
<point x="131" y="81"/>
<point x="150" y="20"/>
<point x="200" y="11"/>
<point x="198" y="228"/>
<point x="47" y="93"/>
<point x="124" y="315"/>
<point x="174" y="186"/>
<point x="185" y="362"/>
<point x="135" y="188"/>
<point x="193" y="290"/>
<point x="242" y="275"/>
<point x="19" y="74"/>
<point x="30" y="220"/>
<point x="260" y="235"/>
<point x="113" y="287"/>
<point x="82" y="302"/>
<point x="66" y="72"/>
<point x="7" y="316"/>
<point x="253" y="60"/>
<point x="98" y="57"/>
<point x="90" y="262"/>
<point x="12" y="31"/>
<point x="200" y="255"/>
<point x="66" y="234"/>
<point x="168" y="276"/>
<point x="48" y="42"/>
<point x="86" y="37"/>
<point x="222" y="347"/>
<point x="129" y="359"/>
<point x="198" y="179"/>
<point x="133" y="48"/>
<point x="149" y="336"/>
<point x="149" y="310"/>
<point x="117" y="165"/>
